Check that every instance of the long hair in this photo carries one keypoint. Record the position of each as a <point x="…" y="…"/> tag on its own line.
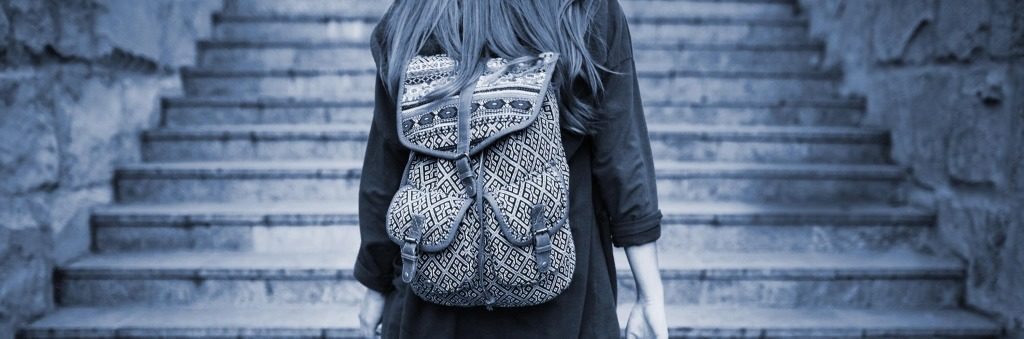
<point x="471" y="31"/>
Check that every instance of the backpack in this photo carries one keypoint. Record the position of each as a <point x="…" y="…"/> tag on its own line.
<point x="481" y="214"/>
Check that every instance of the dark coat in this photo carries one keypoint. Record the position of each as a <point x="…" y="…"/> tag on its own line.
<point x="613" y="201"/>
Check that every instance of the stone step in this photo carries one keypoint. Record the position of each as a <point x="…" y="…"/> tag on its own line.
<point x="781" y="183"/>
<point x="332" y="180"/>
<point x="769" y="144"/>
<point x="863" y="279"/>
<point x="340" y="321"/>
<point x="843" y="112"/>
<point x="645" y="8"/>
<point x="669" y="142"/>
<point x="662" y="30"/>
<point x="356" y="56"/>
<point x="675" y="86"/>
<point x="191" y="111"/>
<point x="771" y="227"/>
<point x="713" y="9"/>
<point x="332" y="84"/>
<point x="868" y="280"/>
<point x="237" y="181"/>
<point x="256" y="142"/>
<point x="328" y="225"/>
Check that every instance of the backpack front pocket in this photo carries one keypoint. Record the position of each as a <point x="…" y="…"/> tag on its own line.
<point x="426" y="224"/>
<point x="528" y="245"/>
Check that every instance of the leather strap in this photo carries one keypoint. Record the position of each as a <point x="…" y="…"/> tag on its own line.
<point x="466" y="175"/>
<point x="541" y="238"/>
<point x="409" y="248"/>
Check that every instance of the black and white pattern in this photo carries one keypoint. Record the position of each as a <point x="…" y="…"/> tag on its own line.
<point x="523" y="167"/>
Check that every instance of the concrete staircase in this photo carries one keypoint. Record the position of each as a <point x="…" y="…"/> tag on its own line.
<point x="783" y="215"/>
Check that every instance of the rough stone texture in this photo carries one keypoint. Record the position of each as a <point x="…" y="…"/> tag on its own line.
<point x="25" y="289"/>
<point x="160" y="32"/>
<point x="79" y="80"/>
<point x="946" y="77"/>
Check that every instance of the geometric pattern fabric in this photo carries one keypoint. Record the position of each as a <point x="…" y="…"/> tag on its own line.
<point x="489" y="248"/>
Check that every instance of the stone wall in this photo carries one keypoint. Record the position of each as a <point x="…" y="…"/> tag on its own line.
<point x="947" y="78"/>
<point x="79" y="79"/>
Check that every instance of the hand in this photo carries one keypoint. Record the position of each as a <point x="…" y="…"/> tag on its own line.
<point x="370" y="313"/>
<point x="647" y="320"/>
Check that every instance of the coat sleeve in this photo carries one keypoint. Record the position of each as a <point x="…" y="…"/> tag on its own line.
<point x="623" y="166"/>
<point x="381" y="176"/>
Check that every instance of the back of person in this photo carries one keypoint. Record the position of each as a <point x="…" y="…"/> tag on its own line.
<point x="612" y="196"/>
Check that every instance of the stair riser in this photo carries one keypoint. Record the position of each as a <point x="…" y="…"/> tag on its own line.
<point x="362" y="114"/>
<point x="868" y="292"/>
<point x="853" y="293"/>
<point x="199" y="291"/>
<point x="237" y="189"/>
<point x="803" y="116"/>
<point x="227" y="238"/>
<point x="772" y="152"/>
<point x="359" y="30"/>
<point x="690" y="88"/>
<point x="769" y="331"/>
<point x="292" y="7"/>
<point x="633" y="8"/>
<point x="665" y="146"/>
<point x="212" y="332"/>
<point x="717" y="60"/>
<point x="716" y="33"/>
<point x="779" y="190"/>
<point x="822" y="238"/>
<point x="717" y="89"/>
<point x="358" y="58"/>
<point x="697" y="238"/>
<point x="710" y="9"/>
<point x="283" y="57"/>
<point x="170" y="189"/>
<point x="351" y="148"/>
<point x="334" y="86"/>
<point x="308" y="114"/>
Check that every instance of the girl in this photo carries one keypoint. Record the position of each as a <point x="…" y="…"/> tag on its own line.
<point x="612" y="182"/>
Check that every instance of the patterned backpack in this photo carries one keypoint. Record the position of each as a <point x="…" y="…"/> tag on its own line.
<point x="482" y="211"/>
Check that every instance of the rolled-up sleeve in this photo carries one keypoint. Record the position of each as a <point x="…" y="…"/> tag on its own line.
<point x="381" y="176"/>
<point x="623" y="166"/>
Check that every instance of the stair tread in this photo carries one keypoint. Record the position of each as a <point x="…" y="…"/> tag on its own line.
<point x="357" y="131"/>
<point x="244" y="165"/>
<point x="247" y="208"/>
<point x="665" y="169"/>
<point x="346" y="212"/>
<point x="343" y="320"/>
<point x="264" y="101"/>
<point x="767" y="129"/>
<point x="880" y="170"/>
<point x="660" y="127"/>
<point x="639" y="46"/>
<point x="738" y="207"/>
<point x="893" y="263"/>
<point x="634" y="19"/>
<point x="347" y="164"/>
<point x="204" y="71"/>
<point x="669" y="207"/>
<point x="800" y="263"/>
<point x="250" y="129"/>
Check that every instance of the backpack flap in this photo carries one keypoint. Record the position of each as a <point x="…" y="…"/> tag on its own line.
<point x="505" y="100"/>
